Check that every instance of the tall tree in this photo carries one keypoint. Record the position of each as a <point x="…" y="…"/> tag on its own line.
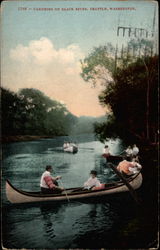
<point x="129" y="93"/>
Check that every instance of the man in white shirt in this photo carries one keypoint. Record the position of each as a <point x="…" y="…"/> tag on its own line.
<point x="92" y="181"/>
<point x="135" y="150"/>
<point x="106" y="150"/>
<point x="48" y="183"/>
<point x="129" y="151"/>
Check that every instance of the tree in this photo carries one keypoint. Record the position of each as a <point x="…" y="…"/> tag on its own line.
<point x="99" y="65"/>
<point x="13" y="115"/>
<point x="30" y="112"/>
<point x="127" y="99"/>
<point x="131" y="94"/>
<point x="46" y="115"/>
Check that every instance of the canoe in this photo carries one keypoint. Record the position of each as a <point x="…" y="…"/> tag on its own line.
<point x="15" y="195"/>
<point x="71" y="149"/>
<point x="111" y="158"/>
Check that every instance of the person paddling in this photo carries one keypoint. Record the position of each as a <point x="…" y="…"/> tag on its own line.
<point x="49" y="184"/>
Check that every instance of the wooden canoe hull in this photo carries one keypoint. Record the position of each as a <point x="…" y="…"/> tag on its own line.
<point x="18" y="196"/>
<point x="111" y="158"/>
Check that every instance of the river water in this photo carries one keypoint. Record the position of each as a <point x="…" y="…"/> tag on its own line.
<point x="85" y="224"/>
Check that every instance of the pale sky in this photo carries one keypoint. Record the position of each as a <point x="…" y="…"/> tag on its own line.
<point x="41" y="48"/>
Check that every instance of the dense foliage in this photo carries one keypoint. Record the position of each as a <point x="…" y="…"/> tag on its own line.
<point x="131" y="93"/>
<point x="30" y="112"/>
<point x="127" y="97"/>
<point x="99" y="64"/>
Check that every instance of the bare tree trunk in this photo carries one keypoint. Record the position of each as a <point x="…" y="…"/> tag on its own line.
<point x="115" y="66"/>
<point x="147" y="111"/>
<point x="147" y="102"/>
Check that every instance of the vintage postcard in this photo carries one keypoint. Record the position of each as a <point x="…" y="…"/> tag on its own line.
<point x="79" y="124"/>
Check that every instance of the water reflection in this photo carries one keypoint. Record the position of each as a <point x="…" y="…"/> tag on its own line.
<point x="69" y="222"/>
<point x="48" y="215"/>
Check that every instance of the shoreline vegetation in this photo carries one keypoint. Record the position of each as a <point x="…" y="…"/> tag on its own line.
<point x="29" y="115"/>
<point x="23" y="138"/>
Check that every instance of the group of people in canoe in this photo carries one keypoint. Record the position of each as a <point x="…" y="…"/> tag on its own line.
<point x="69" y="144"/>
<point x="128" y="166"/>
<point x="130" y="160"/>
<point x="131" y="152"/>
<point x="71" y="147"/>
<point x="49" y="184"/>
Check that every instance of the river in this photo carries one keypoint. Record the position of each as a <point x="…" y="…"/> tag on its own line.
<point x="92" y="224"/>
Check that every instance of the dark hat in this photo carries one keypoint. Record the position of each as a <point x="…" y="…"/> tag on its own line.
<point x="48" y="167"/>
<point x="93" y="172"/>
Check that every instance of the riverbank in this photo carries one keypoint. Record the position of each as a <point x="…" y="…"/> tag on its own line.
<point x="20" y="138"/>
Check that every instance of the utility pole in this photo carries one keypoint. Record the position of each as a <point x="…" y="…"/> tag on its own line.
<point x="135" y="32"/>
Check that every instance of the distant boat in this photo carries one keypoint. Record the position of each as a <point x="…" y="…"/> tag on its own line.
<point x="71" y="149"/>
<point x="15" y="195"/>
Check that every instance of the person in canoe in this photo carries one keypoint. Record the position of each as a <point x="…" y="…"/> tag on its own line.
<point x="128" y="168"/>
<point x="137" y="166"/>
<point x="93" y="183"/>
<point x="65" y="145"/>
<point x="129" y="152"/>
<point x="135" y="151"/>
<point x="106" y="152"/>
<point x="49" y="184"/>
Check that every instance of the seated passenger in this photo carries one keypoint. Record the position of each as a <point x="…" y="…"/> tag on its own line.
<point x="135" y="169"/>
<point x="92" y="181"/>
<point x="135" y="150"/>
<point x="68" y="144"/>
<point x="129" y="168"/>
<point x="129" y="151"/>
<point x="106" y="151"/>
<point x="49" y="184"/>
<point x="65" y="145"/>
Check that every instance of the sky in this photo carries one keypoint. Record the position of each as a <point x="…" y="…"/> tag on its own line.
<point x="44" y="41"/>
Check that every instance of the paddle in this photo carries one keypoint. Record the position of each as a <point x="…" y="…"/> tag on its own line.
<point x="131" y="190"/>
<point x="64" y="190"/>
<point x="86" y="148"/>
<point x="122" y="152"/>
